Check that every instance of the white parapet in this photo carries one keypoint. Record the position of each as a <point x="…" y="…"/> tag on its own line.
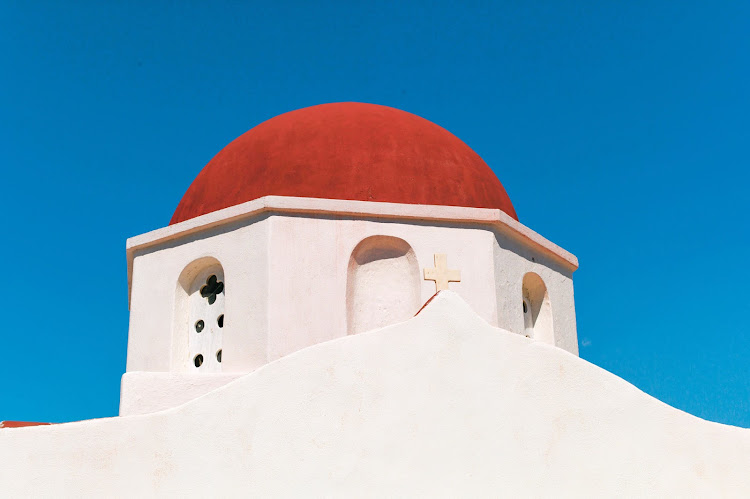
<point x="440" y="405"/>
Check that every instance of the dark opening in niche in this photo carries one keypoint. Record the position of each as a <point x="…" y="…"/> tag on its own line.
<point x="218" y="355"/>
<point x="220" y="320"/>
<point x="199" y="326"/>
<point x="198" y="360"/>
<point x="212" y="288"/>
<point x="524" y="308"/>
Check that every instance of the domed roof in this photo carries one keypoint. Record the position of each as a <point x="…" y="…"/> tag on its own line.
<point x="348" y="150"/>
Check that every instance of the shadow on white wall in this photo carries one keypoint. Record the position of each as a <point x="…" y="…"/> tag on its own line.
<point x="537" y="311"/>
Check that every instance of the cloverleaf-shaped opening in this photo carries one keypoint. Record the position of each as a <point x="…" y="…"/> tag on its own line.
<point x="212" y="288"/>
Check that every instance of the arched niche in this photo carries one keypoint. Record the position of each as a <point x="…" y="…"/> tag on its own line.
<point x="383" y="285"/>
<point x="199" y="317"/>
<point x="537" y="311"/>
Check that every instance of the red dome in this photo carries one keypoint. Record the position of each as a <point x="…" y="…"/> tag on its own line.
<point x="349" y="150"/>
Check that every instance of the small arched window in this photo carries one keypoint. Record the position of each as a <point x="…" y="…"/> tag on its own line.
<point x="537" y="311"/>
<point x="202" y="325"/>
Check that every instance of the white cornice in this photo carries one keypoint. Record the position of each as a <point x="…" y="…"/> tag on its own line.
<point x="355" y="209"/>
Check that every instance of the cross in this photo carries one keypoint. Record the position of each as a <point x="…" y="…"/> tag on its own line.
<point x="440" y="274"/>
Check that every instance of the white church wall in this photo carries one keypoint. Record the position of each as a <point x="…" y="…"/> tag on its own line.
<point x="159" y="337"/>
<point x="513" y="262"/>
<point x="309" y="272"/>
<point x="440" y="405"/>
<point x="285" y="262"/>
<point x="147" y="392"/>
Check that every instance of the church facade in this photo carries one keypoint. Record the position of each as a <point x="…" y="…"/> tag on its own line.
<point x="282" y="260"/>
<point x="345" y="303"/>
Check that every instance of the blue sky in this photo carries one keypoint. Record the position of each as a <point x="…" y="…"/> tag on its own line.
<point x="619" y="129"/>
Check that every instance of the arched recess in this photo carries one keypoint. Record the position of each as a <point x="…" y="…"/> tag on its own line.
<point x="199" y="317"/>
<point x="383" y="285"/>
<point x="537" y="311"/>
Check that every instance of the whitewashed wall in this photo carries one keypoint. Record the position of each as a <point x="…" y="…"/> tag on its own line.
<point x="288" y="282"/>
<point x="442" y="405"/>
<point x="310" y="260"/>
<point x="512" y="261"/>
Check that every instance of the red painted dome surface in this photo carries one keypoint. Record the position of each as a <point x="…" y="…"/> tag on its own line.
<point x="349" y="150"/>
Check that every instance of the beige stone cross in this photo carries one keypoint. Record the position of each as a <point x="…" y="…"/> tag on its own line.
<point x="440" y="274"/>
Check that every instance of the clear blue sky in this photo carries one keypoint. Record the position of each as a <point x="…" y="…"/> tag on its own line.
<point x="620" y="131"/>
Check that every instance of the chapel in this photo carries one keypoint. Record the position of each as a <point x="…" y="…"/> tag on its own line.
<point x="359" y="211"/>
<point x="345" y="304"/>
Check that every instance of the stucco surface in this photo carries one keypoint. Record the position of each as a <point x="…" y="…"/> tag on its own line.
<point x="290" y="283"/>
<point x="145" y="392"/>
<point x="440" y="405"/>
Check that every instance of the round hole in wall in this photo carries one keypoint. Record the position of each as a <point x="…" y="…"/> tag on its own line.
<point x="199" y="326"/>
<point x="198" y="360"/>
<point x="220" y="320"/>
<point x="525" y="308"/>
<point x="218" y="355"/>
